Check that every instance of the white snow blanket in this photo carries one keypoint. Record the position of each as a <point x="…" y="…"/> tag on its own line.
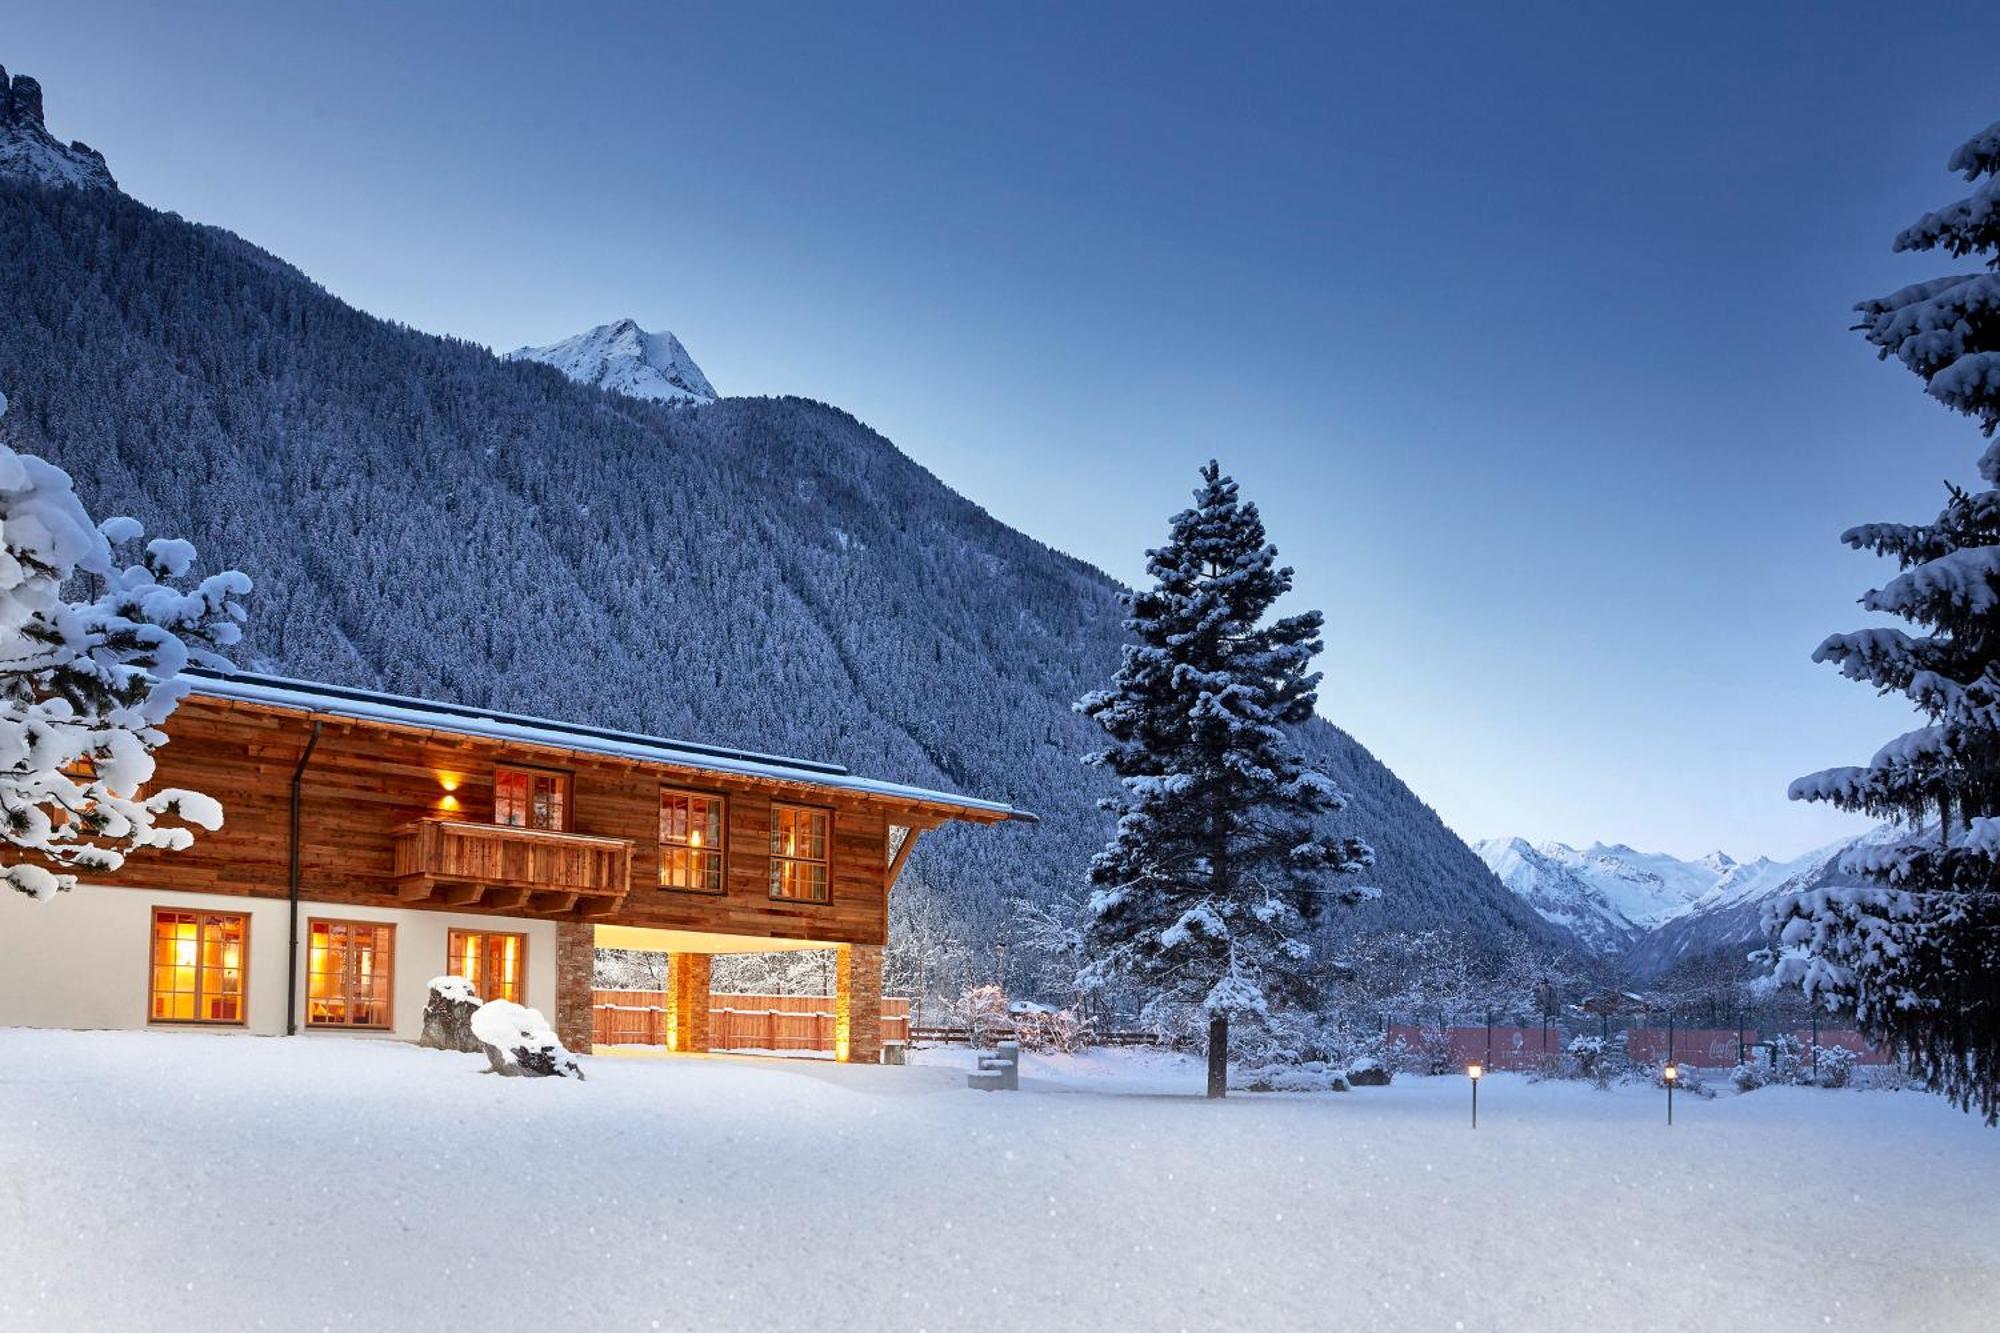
<point x="152" y="1179"/>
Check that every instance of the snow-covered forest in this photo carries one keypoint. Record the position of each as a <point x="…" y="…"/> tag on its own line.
<point x="423" y="517"/>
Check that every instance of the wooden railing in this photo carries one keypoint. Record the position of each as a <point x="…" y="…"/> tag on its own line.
<point x="736" y="1022"/>
<point x="491" y="865"/>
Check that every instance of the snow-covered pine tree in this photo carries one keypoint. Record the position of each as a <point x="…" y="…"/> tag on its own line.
<point x="85" y="685"/>
<point x="1203" y="896"/>
<point x="1915" y="955"/>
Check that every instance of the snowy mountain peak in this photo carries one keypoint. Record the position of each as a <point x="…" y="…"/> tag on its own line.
<point x="27" y="149"/>
<point x="623" y="358"/>
<point x="1613" y="898"/>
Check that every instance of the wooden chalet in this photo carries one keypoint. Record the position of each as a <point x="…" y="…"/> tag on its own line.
<point x="372" y="842"/>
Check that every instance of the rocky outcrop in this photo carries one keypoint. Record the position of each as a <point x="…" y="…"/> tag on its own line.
<point x="448" y="1010"/>
<point x="27" y="149"/>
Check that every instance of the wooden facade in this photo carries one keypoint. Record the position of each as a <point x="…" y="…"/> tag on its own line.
<point x="399" y="814"/>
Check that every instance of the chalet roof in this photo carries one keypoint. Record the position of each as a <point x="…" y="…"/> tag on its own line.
<point x="491" y="724"/>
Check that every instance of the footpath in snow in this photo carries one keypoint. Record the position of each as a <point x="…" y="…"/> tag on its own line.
<point x="176" y="1181"/>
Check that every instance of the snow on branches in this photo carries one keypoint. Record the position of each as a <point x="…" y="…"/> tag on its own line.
<point x="1914" y="954"/>
<point x="1220" y="857"/>
<point x="85" y="685"/>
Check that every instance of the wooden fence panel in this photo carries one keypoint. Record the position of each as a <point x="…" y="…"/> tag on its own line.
<point x="736" y="1022"/>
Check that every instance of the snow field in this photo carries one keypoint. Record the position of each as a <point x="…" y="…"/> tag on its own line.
<point x="168" y="1181"/>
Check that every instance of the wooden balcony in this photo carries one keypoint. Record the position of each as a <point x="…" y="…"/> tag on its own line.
<point x="534" y="871"/>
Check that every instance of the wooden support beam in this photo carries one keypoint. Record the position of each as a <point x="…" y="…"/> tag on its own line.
<point x="910" y="835"/>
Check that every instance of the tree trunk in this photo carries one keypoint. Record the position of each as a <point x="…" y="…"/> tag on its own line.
<point x="1218" y="1055"/>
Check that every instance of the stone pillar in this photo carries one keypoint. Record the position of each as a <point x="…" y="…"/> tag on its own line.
<point x="689" y="979"/>
<point x="576" y="968"/>
<point x="857" y="1003"/>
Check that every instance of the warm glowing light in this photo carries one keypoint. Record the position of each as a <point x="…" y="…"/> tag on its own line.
<point x="1672" y="1072"/>
<point x="694" y="838"/>
<point x="1473" y="1071"/>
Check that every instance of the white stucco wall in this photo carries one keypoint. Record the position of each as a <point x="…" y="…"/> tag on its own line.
<point x="80" y="960"/>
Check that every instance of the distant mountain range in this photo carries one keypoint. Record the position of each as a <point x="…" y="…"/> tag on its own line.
<point x="424" y="517"/>
<point x="1649" y="910"/>
<point x="625" y="359"/>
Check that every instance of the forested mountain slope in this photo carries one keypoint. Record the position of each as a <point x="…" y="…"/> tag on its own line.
<point x="424" y="517"/>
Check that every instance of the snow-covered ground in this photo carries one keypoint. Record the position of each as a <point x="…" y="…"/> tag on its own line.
<point x="166" y="1181"/>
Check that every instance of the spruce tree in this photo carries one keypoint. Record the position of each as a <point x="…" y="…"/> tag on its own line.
<point x="1914" y="955"/>
<point x="85" y="685"/>
<point x="1204" y="895"/>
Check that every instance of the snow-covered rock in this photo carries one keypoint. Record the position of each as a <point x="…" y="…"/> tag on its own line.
<point x="624" y="358"/>
<point x="448" y="1009"/>
<point x="518" y="1040"/>
<point x="28" y="149"/>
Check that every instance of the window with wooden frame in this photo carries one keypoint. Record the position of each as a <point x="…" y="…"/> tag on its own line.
<point x="531" y="798"/>
<point x="200" y="967"/>
<point x="494" y="961"/>
<point x="350" y="974"/>
<point x="691" y="833"/>
<point x="799" y="852"/>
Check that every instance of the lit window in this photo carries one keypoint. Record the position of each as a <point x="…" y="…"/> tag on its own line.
<point x="493" y="961"/>
<point x="199" y="962"/>
<point x="798" y="853"/>
<point x="690" y="841"/>
<point x="350" y="974"/>
<point x="531" y="798"/>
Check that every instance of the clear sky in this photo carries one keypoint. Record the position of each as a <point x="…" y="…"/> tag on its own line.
<point x="1526" y="326"/>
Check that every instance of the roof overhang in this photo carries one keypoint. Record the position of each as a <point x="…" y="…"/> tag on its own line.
<point x="905" y="804"/>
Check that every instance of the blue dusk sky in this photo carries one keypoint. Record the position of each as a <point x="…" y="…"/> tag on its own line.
<point x="1526" y="326"/>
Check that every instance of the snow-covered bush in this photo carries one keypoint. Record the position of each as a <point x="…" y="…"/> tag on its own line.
<point x="1588" y="1058"/>
<point x="1041" y="1029"/>
<point x="1433" y="1053"/>
<point x="85" y="686"/>
<point x="1310" y="1076"/>
<point x="1789" y="1060"/>
<point x="1687" y="1079"/>
<point x="518" y="1040"/>
<point x="1368" y="1072"/>
<point x="980" y="1010"/>
<point x="1747" y="1077"/>
<point x="1835" y="1067"/>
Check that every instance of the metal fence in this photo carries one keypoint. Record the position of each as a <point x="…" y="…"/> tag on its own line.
<point x="1502" y="1046"/>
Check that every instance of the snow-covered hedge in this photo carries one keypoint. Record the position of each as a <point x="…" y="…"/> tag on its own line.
<point x="1311" y="1076"/>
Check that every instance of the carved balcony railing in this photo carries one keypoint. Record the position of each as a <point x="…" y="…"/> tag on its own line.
<point x="539" y="872"/>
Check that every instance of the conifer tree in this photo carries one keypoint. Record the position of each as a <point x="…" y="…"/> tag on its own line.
<point x="85" y="685"/>
<point x="1204" y="894"/>
<point x="1914" y="955"/>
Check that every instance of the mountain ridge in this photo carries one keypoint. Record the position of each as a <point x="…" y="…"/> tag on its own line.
<point x="29" y="151"/>
<point x="426" y="518"/>
<point x="1650" y="910"/>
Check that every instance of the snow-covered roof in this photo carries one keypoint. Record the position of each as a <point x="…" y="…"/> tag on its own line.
<point x="491" y="724"/>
